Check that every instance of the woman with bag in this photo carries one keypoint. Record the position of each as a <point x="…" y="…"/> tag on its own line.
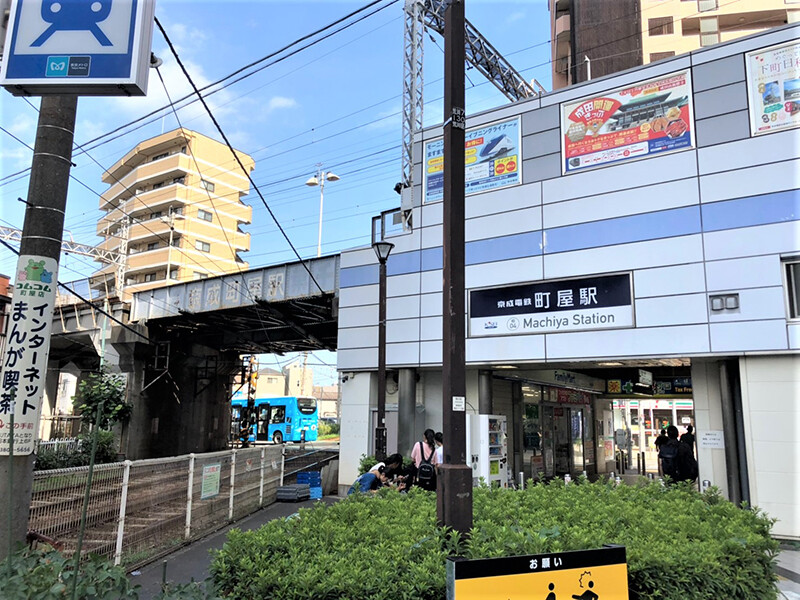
<point x="424" y="456"/>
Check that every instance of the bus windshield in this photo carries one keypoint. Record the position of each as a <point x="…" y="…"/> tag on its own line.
<point x="307" y="406"/>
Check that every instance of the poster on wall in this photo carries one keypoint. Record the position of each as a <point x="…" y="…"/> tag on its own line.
<point x="491" y="155"/>
<point x="587" y="303"/>
<point x="773" y="84"/>
<point x="642" y="120"/>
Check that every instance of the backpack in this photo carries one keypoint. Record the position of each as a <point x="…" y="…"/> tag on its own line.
<point x="669" y="459"/>
<point x="426" y="473"/>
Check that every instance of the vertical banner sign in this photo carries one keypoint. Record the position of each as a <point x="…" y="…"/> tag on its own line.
<point x="773" y="84"/>
<point x="210" y="485"/>
<point x="492" y="160"/>
<point x="25" y="358"/>
<point x="645" y="119"/>
<point x="585" y="575"/>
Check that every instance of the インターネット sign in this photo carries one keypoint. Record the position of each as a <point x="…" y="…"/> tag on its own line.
<point x="584" y="575"/>
<point x="602" y="302"/>
<point x="644" y="119"/>
<point x="81" y="47"/>
<point x="491" y="160"/>
<point x="773" y="84"/>
<point x="25" y="355"/>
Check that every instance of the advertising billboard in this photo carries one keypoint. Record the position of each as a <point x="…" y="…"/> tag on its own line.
<point x="588" y="303"/>
<point x="653" y="117"/>
<point x="773" y="87"/>
<point x="492" y="160"/>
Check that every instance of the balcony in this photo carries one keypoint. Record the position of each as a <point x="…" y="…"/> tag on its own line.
<point x="167" y="142"/>
<point x="144" y="176"/>
<point x="153" y="201"/>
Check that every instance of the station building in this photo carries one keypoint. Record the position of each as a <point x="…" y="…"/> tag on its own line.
<point x="632" y="252"/>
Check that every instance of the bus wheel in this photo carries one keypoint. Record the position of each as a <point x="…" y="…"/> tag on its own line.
<point x="277" y="437"/>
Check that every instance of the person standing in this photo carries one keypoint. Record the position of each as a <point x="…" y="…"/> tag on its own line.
<point x="439" y="439"/>
<point x="688" y="438"/>
<point x="677" y="461"/>
<point x="660" y="441"/>
<point x="424" y="456"/>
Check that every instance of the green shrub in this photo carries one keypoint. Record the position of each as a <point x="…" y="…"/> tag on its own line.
<point x="64" y="459"/>
<point x="680" y="544"/>
<point x="326" y="428"/>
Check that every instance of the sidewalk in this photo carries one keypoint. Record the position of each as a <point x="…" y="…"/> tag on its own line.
<point x="192" y="561"/>
<point x="788" y="570"/>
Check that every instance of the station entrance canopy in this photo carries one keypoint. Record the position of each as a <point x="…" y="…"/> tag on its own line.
<point x="273" y="309"/>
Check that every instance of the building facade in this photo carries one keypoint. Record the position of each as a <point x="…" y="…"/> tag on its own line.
<point x="174" y="209"/>
<point x="622" y="34"/>
<point x="632" y="245"/>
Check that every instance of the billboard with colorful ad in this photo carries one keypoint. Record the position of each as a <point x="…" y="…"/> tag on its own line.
<point x="492" y="160"/>
<point x="773" y="84"/>
<point x="642" y="120"/>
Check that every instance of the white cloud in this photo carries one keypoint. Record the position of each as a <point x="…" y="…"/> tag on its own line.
<point x="515" y="16"/>
<point x="277" y="102"/>
<point x="390" y="118"/>
<point x="24" y="126"/>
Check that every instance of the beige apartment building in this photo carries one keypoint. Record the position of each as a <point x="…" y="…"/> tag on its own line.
<point x="174" y="209"/>
<point x="593" y="38"/>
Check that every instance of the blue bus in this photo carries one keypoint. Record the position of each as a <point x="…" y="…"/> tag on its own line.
<point x="284" y="419"/>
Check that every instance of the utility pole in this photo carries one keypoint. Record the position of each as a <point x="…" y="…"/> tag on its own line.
<point x="41" y="241"/>
<point x="454" y="494"/>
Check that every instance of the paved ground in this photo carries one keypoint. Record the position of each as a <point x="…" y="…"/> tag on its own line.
<point x="192" y="562"/>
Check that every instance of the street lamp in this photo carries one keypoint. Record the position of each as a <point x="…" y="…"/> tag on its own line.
<point x="382" y="250"/>
<point x="319" y="179"/>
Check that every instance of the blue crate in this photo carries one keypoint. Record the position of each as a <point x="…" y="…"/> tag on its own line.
<point x="316" y="493"/>
<point x="310" y="477"/>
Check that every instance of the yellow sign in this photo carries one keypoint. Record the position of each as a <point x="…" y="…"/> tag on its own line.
<point x="584" y="575"/>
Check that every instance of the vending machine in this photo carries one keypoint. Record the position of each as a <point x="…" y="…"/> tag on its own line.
<point x="487" y="449"/>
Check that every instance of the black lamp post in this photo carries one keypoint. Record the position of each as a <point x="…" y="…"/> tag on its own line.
<point x="382" y="250"/>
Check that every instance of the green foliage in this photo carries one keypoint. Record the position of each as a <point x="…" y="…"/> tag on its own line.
<point x="63" y="459"/>
<point x="102" y="387"/>
<point x="48" y="575"/>
<point x="195" y="590"/>
<point x="680" y="544"/>
<point x="326" y="428"/>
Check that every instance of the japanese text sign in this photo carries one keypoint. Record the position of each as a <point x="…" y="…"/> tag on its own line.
<point x="602" y="302"/>
<point x="584" y="575"/>
<point x="210" y="483"/>
<point x="648" y="118"/>
<point x="25" y="356"/>
<point x="491" y="161"/>
<point x="773" y="84"/>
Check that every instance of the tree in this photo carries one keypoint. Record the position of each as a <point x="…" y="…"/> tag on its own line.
<point x="107" y="388"/>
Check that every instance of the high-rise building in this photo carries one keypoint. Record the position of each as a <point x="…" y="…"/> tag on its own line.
<point x="592" y="38"/>
<point x="174" y="209"/>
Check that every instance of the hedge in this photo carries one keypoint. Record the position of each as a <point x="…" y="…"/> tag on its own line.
<point x="680" y="544"/>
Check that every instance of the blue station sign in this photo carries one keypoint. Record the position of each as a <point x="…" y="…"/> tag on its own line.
<point x="81" y="47"/>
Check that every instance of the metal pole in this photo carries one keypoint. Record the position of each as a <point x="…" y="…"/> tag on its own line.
<point x="380" y="428"/>
<point x="454" y="497"/>
<point x="321" y="178"/>
<point x="283" y="463"/>
<point x="123" y="502"/>
<point x="261" y="478"/>
<point x="187" y="532"/>
<point x="233" y="478"/>
<point x="41" y="237"/>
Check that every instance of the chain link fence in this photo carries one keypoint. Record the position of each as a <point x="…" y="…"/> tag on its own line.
<point x="138" y="510"/>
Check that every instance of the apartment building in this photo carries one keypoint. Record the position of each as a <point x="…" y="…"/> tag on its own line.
<point x="593" y="38"/>
<point x="174" y="209"/>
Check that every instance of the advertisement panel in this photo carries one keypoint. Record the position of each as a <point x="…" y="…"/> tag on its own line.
<point x="588" y="303"/>
<point x="645" y="119"/>
<point x="24" y="370"/>
<point x="583" y="574"/>
<point x="492" y="160"/>
<point x="210" y="482"/>
<point x="773" y="85"/>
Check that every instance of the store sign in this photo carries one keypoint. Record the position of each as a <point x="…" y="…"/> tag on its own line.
<point x="211" y="480"/>
<point x="588" y="574"/>
<point x="82" y="47"/>
<point x="566" y="378"/>
<point x="25" y="356"/>
<point x="648" y="118"/>
<point x="491" y="155"/>
<point x="589" y="303"/>
<point x="674" y="385"/>
<point x="773" y="84"/>
<point x="567" y="396"/>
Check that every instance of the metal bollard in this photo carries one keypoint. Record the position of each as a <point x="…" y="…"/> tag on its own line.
<point x="521" y="480"/>
<point x="567" y="479"/>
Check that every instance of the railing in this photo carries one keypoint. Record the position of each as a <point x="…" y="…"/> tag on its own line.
<point x="141" y="509"/>
<point x="59" y="444"/>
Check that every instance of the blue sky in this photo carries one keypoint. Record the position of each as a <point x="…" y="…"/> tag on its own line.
<point x="337" y="103"/>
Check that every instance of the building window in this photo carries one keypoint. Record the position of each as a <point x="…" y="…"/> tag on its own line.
<point x="160" y="156"/>
<point x="660" y="26"/>
<point x="173" y="274"/>
<point x="793" y="287"/>
<point x="180" y="180"/>
<point x="205" y="215"/>
<point x="203" y="246"/>
<point x="656" y="56"/>
<point x="150" y="277"/>
<point x="709" y="31"/>
<point x="160" y="184"/>
<point x="183" y="149"/>
<point x="197" y="275"/>
<point x="178" y="210"/>
<point x="207" y="185"/>
<point x="152" y="246"/>
<point x="706" y="5"/>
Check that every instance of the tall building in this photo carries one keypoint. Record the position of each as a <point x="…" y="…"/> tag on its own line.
<point x="174" y="208"/>
<point x="620" y="34"/>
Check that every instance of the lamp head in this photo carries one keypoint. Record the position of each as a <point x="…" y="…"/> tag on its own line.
<point x="331" y="176"/>
<point x="312" y="181"/>
<point x="382" y="250"/>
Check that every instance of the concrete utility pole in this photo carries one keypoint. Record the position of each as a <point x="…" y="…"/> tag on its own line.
<point x="454" y="494"/>
<point x="41" y="237"/>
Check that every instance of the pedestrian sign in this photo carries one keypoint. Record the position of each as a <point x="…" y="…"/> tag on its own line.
<point x="82" y="47"/>
<point x="583" y="575"/>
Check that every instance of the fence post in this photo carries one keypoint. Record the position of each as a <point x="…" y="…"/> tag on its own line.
<point x="188" y="528"/>
<point x="123" y="501"/>
<point x="233" y="479"/>
<point x="261" y="482"/>
<point x="283" y="461"/>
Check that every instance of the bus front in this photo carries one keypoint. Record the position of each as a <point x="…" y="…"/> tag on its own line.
<point x="307" y="417"/>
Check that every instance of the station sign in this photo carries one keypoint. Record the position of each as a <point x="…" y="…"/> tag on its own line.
<point x="78" y="47"/>
<point x="587" y="303"/>
<point x="584" y="574"/>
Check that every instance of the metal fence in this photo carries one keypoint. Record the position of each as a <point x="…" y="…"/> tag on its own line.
<point x="138" y="510"/>
<point x="58" y="444"/>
